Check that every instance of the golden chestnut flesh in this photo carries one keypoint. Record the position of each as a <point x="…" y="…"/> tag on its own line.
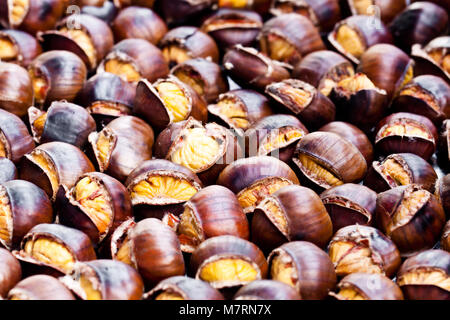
<point x="174" y="100"/>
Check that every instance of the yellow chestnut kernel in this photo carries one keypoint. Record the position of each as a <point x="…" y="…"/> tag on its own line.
<point x="189" y="232"/>
<point x="104" y="148"/>
<point x="421" y="94"/>
<point x="124" y="253"/>
<point x="238" y="4"/>
<point x="228" y="269"/>
<point x="422" y="276"/>
<point x="406" y="129"/>
<point x="446" y="63"/>
<point x="408" y="76"/>
<point x="168" y="295"/>
<point x="46" y="164"/>
<point x="19" y="9"/>
<point x="84" y="41"/>
<point x="350" y="41"/>
<point x="356" y="83"/>
<point x="233" y="113"/>
<point x="40" y="86"/>
<point x="357" y="259"/>
<point x="317" y="172"/>
<point x="278" y="48"/>
<point x="175" y="54"/>
<point x="362" y="6"/>
<point x="191" y="79"/>
<point x="407" y="209"/>
<point x="109" y="108"/>
<point x="50" y="252"/>
<point x="349" y="293"/>
<point x="396" y="171"/>
<point x="88" y="288"/>
<point x="8" y="50"/>
<point x="174" y="100"/>
<point x="283" y="269"/>
<point x="279" y="139"/>
<point x="3" y="145"/>
<point x="5" y="217"/>
<point x="275" y="213"/>
<point x="122" y="69"/>
<point x="39" y="123"/>
<point x="298" y="96"/>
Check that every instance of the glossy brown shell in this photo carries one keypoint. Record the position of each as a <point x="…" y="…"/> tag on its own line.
<point x="10" y="272"/>
<point x="16" y="90"/>
<point x="267" y="290"/>
<point x="41" y="287"/>
<point x="26" y="45"/>
<point x="424" y="64"/>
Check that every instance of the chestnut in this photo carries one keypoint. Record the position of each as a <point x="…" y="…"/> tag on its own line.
<point x="22" y="205"/>
<point x="8" y="170"/>
<point x="149" y="246"/>
<point x="18" y="47"/>
<point x="425" y="276"/>
<point x="241" y="108"/>
<point x="138" y="22"/>
<point x="105" y="11"/>
<point x="211" y="212"/>
<point x="305" y="267"/>
<point x="54" y="248"/>
<point x="183" y="288"/>
<point x="400" y="169"/>
<point x="15" y="140"/>
<point x="349" y="204"/>
<point x="367" y="286"/>
<point x="292" y="213"/>
<point x="310" y="106"/>
<point x="267" y="290"/>
<point x="327" y="160"/>
<point x="388" y="9"/>
<point x="260" y="6"/>
<point x="133" y="59"/>
<point x="204" y="149"/>
<point x="56" y="75"/>
<point x="442" y="193"/>
<point x="167" y="101"/>
<point x="204" y="76"/>
<point x="63" y="121"/>
<point x="426" y="95"/>
<point x="354" y="35"/>
<point x="126" y="3"/>
<point x="230" y="27"/>
<point x="10" y="272"/>
<point x="444" y="143"/>
<point x="252" y="179"/>
<point x="104" y="280"/>
<point x="40" y="287"/>
<point x="410" y="216"/>
<point x="53" y="164"/>
<point x="186" y="42"/>
<point x="16" y="90"/>
<point x="433" y="58"/>
<point x="122" y="145"/>
<point x="405" y="132"/>
<point x="289" y="37"/>
<point x="228" y="262"/>
<point x="445" y="239"/>
<point x="323" y="69"/>
<point x="250" y="68"/>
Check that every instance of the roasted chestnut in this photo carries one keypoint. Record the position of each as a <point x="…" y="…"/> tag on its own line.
<point x="260" y="6"/>
<point x="104" y="280"/>
<point x="228" y="262"/>
<point x="122" y="145"/>
<point x="310" y="106"/>
<point x="56" y="75"/>
<point x="40" y="287"/>
<point x="445" y="239"/>
<point x="177" y="12"/>
<point x="267" y="290"/>
<point x="387" y="10"/>
<point x="168" y="101"/>
<point x="425" y="276"/>
<point x="411" y="217"/>
<point x="434" y="58"/>
<point x="367" y="286"/>
<point x="18" y="47"/>
<point x="183" y="288"/>
<point x="252" y="179"/>
<point x="149" y="246"/>
<point x="305" y="267"/>
<point x="289" y="37"/>
<point x="105" y="11"/>
<point x="405" y="132"/>
<point x="8" y="170"/>
<point x="442" y="193"/>
<point x="444" y="143"/>
<point x="10" y="272"/>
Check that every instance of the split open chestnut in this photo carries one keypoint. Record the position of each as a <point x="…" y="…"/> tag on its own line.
<point x="40" y="287"/>
<point x="18" y="47"/>
<point x="433" y="58"/>
<point x="15" y="140"/>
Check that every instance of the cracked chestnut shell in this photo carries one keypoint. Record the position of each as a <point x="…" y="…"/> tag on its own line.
<point x="267" y="290"/>
<point x="40" y="287"/>
<point x="18" y="47"/>
<point x="8" y="170"/>
<point x="10" y="272"/>
<point x="15" y="140"/>
<point x="425" y="276"/>
<point x="305" y="267"/>
<point x="433" y="58"/>
<point x="445" y="239"/>
<point x="388" y="9"/>
<point x="410" y="216"/>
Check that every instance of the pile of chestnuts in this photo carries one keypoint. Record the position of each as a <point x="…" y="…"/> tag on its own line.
<point x="224" y="150"/>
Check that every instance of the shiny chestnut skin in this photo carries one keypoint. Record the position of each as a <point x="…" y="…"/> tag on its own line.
<point x="40" y="287"/>
<point x="129" y="142"/>
<point x="138" y="22"/>
<point x="183" y="288"/>
<point x="266" y="290"/>
<point x="126" y="3"/>
<point x="411" y="217"/>
<point x="15" y="140"/>
<point x="178" y="12"/>
<point x="106" y="12"/>
<point x="10" y="271"/>
<point x="282" y="217"/>
<point x="442" y="193"/>
<point x="8" y="170"/>
<point x="365" y="286"/>
<point x="445" y="239"/>
<point x="427" y="262"/>
<point x="406" y="168"/>
<point x="313" y="274"/>
<point x="260" y="6"/>
<point x="349" y="204"/>
<point x="389" y="9"/>
<point x="15" y="89"/>
<point x="24" y="47"/>
<point x="431" y="58"/>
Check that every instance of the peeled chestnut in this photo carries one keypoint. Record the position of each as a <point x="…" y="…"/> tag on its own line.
<point x="405" y="132"/>
<point x="349" y="204"/>
<point x="267" y="290"/>
<point x="305" y="267"/>
<point x="252" y="179"/>
<point x="183" y="288"/>
<point x="53" y="164"/>
<point x="433" y="58"/>
<point x="168" y="101"/>
<point x="387" y="10"/>
<point x="10" y="272"/>
<point x="310" y="106"/>
<point x="18" y="47"/>
<point x="425" y="276"/>
<point x="292" y="213"/>
<point x="149" y="246"/>
<point x="178" y="12"/>
<point x="8" y="170"/>
<point x="366" y="286"/>
<point x="445" y="239"/>
<point x="122" y="145"/>
<point x="228" y="262"/>
<point x="411" y="217"/>
<point x="104" y="280"/>
<point x="16" y="90"/>
<point x="40" y="287"/>
<point x="289" y="37"/>
<point x="133" y="59"/>
<point x="400" y="169"/>
<point x="56" y="75"/>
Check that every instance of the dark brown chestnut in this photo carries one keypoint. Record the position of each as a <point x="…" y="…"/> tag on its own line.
<point x="260" y="6"/>
<point x="305" y="267"/>
<point x="445" y="239"/>
<point x="410" y="216"/>
<point x="10" y="272"/>
<point x="442" y="193"/>
<point x="434" y="58"/>
<point x="40" y="287"/>
<point x="104" y="280"/>
<point x="8" y="170"/>
<point x="387" y="10"/>
<point x="444" y="143"/>
<point x="18" y="47"/>
<point x="15" y="140"/>
<point x="425" y="276"/>
<point x="106" y="11"/>
<point x="252" y="179"/>
<point x="267" y="290"/>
